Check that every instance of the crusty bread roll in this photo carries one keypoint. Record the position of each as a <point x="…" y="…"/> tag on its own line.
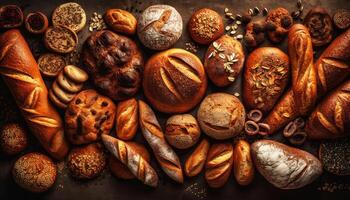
<point x="243" y="168"/>
<point x="332" y="68"/>
<point x="175" y="81"/>
<point x="219" y="164"/>
<point x="140" y="168"/>
<point x="283" y="166"/>
<point x="196" y="161"/>
<point x="266" y="75"/>
<point x="331" y="118"/>
<point x="21" y="74"/>
<point x="127" y="119"/>
<point x="154" y="135"/>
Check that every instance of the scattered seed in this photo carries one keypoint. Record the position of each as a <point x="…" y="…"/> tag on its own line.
<point x="229" y="14"/>
<point x="230" y="78"/>
<point x="226" y="10"/>
<point x="238" y="22"/>
<point x="234" y="27"/>
<point x="236" y="94"/>
<point x="227" y="28"/>
<point x="239" y="36"/>
<point x="250" y="11"/>
<point x="221" y="55"/>
<point x="233" y="32"/>
<point x="238" y="17"/>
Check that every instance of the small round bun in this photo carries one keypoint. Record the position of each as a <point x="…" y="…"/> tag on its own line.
<point x="205" y="26"/>
<point x="159" y="27"/>
<point x="175" y="81"/>
<point x="182" y="131"/>
<point x="223" y="68"/>
<point x="34" y="172"/>
<point x="221" y="116"/>
<point x="119" y="169"/>
<point x="86" y="162"/>
<point x="13" y="139"/>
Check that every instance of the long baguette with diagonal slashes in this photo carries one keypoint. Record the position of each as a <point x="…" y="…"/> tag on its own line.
<point x="154" y="135"/>
<point x="137" y="165"/>
<point x="332" y="68"/>
<point x="331" y="118"/>
<point x="21" y="74"/>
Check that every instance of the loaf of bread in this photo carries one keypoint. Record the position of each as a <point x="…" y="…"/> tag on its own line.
<point x="243" y="168"/>
<point x="154" y="135"/>
<point x="304" y="83"/>
<point x="195" y="163"/>
<point x="331" y="118"/>
<point x="175" y="81"/>
<point x="266" y="76"/>
<point x="283" y="166"/>
<point x="21" y="74"/>
<point x="332" y="68"/>
<point x="127" y="119"/>
<point x="219" y="164"/>
<point x="134" y="161"/>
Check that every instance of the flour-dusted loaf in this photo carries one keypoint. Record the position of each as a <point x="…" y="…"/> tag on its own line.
<point x="137" y="165"/>
<point x="154" y="135"/>
<point x="283" y="166"/>
<point x="21" y="74"/>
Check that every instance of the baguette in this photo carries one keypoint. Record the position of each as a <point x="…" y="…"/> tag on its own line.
<point x="154" y="135"/>
<point x="195" y="163"/>
<point x="21" y="74"/>
<point x="331" y="118"/>
<point x="332" y="68"/>
<point x="219" y="164"/>
<point x="137" y="165"/>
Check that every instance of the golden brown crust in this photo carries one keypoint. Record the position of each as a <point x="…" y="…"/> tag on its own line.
<point x="331" y="118"/>
<point x="121" y="21"/>
<point x="175" y="81"/>
<point x="332" y="68"/>
<point x="304" y="83"/>
<point x="154" y="135"/>
<point x="205" y="26"/>
<point x="265" y="78"/>
<point x="88" y="116"/>
<point x="60" y="39"/>
<point x="34" y="172"/>
<point x="221" y="116"/>
<point x="21" y="74"/>
<point x="196" y="161"/>
<point x="122" y="171"/>
<point x="86" y="162"/>
<point x="127" y="119"/>
<point x="137" y="165"/>
<point x="224" y="60"/>
<point x="182" y="131"/>
<point x="219" y="164"/>
<point x="33" y="19"/>
<point x="243" y="168"/>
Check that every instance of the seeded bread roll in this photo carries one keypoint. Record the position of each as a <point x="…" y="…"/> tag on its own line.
<point x="50" y="64"/>
<point x="219" y="164"/>
<point x="71" y="15"/>
<point x="205" y="26"/>
<point x="175" y="81"/>
<point x="34" y="172"/>
<point x="13" y="138"/>
<point x="224" y="60"/>
<point x="86" y="162"/>
<point x="265" y="78"/>
<point x="221" y="116"/>
<point x="60" y="39"/>
<point x="159" y="27"/>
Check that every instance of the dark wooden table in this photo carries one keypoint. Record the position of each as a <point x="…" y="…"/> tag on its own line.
<point x="108" y="187"/>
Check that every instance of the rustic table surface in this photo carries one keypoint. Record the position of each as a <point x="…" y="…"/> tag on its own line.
<point x="108" y="187"/>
